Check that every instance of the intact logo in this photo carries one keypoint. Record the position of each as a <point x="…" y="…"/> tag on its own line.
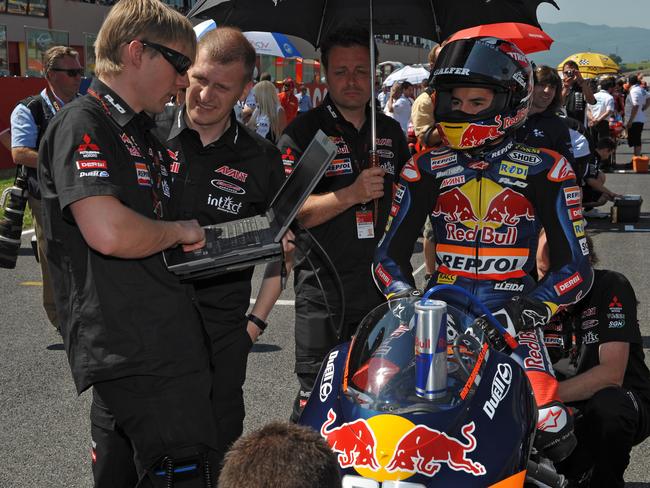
<point x="572" y="195"/>
<point x="508" y="286"/>
<point x="535" y="359"/>
<point x="514" y="170"/>
<point x="328" y="375"/>
<point x="339" y="167"/>
<point x="567" y="285"/>
<point x="410" y="171"/>
<point x="561" y="171"/>
<point x="383" y="276"/>
<point x="91" y="164"/>
<point x="225" y="204"/>
<point x="479" y="165"/>
<point x="500" y="387"/>
<point x="507" y="181"/>
<point x="446" y="279"/>
<point x="87" y="149"/>
<point x="142" y="173"/>
<point x="440" y="162"/>
<point x="524" y="157"/>
<point x="232" y="173"/>
<point x="575" y="213"/>
<point x="228" y="187"/>
<point x="579" y="228"/>
<point x="453" y="181"/>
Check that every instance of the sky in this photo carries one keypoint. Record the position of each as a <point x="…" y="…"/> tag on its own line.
<point x="635" y="13"/>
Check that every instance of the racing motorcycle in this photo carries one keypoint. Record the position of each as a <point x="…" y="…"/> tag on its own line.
<point x="419" y="399"/>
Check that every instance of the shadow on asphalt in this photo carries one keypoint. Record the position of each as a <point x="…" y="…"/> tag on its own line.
<point x="61" y="347"/>
<point x="265" y="348"/>
<point x="637" y="485"/>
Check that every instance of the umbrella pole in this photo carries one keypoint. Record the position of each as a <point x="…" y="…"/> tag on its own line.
<point x="373" y="157"/>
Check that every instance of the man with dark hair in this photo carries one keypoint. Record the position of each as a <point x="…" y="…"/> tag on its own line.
<point x="636" y="103"/>
<point x="594" y="191"/>
<point x="340" y="213"/>
<point x="223" y="171"/>
<point x="544" y="128"/>
<point x="281" y="454"/>
<point x="29" y="120"/>
<point x="608" y="380"/>
<point x="131" y="330"/>
<point x="575" y="92"/>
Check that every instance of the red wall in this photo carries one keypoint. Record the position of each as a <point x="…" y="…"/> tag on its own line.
<point x="13" y="90"/>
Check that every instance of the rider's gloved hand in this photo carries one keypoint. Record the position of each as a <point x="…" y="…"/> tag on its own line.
<point x="405" y="293"/>
<point x="493" y="336"/>
<point x="523" y="313"/>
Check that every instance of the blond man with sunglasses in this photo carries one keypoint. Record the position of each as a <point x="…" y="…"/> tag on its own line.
<point x="131" y="330"/>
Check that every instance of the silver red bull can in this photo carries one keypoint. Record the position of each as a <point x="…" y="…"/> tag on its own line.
<point x="431" y="349"/>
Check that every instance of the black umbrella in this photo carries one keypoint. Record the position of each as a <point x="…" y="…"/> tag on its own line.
<point x="312" y="20"/>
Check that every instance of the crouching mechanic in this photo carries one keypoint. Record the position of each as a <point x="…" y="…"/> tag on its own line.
<point x="608" y="382"/>
<point x="488" y="198"/>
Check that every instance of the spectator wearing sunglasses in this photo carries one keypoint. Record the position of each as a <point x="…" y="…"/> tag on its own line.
<point x="29" y="120"/>
<point x="131" y="329"/>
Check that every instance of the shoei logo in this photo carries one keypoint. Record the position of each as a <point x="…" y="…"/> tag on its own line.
<point x="524" y="157"/>
<point x="326" y="385"/>
<point x="500" y="387"/>
<point x="452" y="71"/>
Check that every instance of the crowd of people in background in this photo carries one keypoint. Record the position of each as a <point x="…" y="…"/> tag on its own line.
<point x="261" y="128"/>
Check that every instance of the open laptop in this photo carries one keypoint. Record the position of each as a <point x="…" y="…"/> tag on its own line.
<point x="244" y="242"/>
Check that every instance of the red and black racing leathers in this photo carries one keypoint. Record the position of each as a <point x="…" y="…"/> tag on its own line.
<point x="487" y="213"/>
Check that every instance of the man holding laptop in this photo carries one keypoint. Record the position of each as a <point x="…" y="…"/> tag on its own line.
<point x="221" y="171"/>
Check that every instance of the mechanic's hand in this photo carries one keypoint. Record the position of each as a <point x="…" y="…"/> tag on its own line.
<point x="190" y="235"/>
<point x="492" y="335"/>
<point x="368" y="185"/>
<point x="253" y="331"/>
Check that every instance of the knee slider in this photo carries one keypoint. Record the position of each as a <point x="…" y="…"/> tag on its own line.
<point x="187" y="467"/>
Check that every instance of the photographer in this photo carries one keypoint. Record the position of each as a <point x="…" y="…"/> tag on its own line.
<point x="575" y="92"/>
<point x="29" y="120"/>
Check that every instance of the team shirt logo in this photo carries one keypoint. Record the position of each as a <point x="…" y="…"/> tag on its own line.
<point x="142" y="172"/>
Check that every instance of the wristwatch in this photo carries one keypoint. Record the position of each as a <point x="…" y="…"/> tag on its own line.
<point x="258" y="321"/>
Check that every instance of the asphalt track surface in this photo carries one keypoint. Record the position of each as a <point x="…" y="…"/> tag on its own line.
<point x="44" y="428"/>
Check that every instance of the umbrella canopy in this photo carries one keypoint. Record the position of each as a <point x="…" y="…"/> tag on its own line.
<point x="272" y="43"/>
<point x="528" y="38"/>
<point x="312" y="20"/>
<point x="412" y="74"/>
<point x="592" y="64"/>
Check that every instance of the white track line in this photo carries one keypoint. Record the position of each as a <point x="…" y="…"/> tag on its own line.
<point x="279" y="302"/>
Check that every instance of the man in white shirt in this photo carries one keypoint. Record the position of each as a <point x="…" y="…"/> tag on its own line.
<point x="598" y="114"/>
<point x="635" y="105"/>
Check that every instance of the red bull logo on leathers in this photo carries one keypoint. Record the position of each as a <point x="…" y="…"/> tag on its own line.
<point x="465" y="135"/>
<point x="487" y="212"/>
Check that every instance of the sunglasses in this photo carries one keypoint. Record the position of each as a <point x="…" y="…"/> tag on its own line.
<point x="72" y="73"/>
<point x="179" y="61"/>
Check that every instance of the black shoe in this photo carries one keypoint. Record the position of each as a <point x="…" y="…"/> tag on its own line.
<point x="554" y="437"/>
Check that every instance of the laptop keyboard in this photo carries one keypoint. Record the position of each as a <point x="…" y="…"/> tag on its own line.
<point x="241" y="233"/>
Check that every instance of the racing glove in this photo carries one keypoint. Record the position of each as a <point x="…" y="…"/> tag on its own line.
<point x="520" y="313"/>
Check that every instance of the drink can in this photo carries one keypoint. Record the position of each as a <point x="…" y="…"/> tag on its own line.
<point x="431" y="349"/>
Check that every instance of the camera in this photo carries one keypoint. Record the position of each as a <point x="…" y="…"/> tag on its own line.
<point x="14" y="201"/>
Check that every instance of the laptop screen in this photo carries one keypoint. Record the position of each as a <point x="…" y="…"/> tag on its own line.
<point x="302" y="181"/>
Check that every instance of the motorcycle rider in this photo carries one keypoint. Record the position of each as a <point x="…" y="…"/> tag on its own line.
<point x="488" y="199"/>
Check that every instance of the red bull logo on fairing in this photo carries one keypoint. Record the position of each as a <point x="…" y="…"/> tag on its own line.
<point x="424" y="450"/>
<point x="354" y="441"/>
